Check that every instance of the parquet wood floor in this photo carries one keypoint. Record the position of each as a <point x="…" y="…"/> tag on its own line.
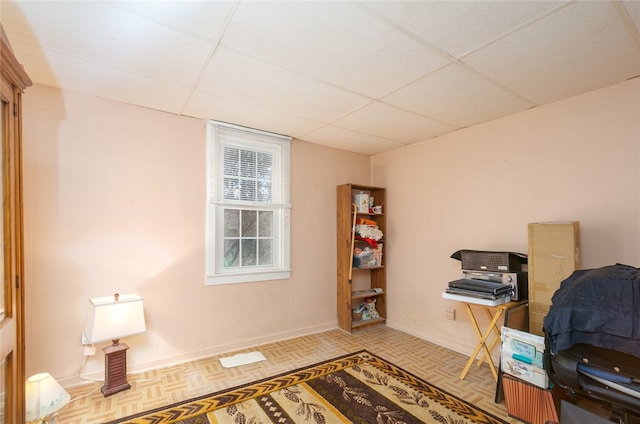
<point x="155" y="388"/>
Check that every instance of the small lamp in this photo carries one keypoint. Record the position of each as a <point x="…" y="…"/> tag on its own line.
<point x="44" y="397"/>
<point x="111" y="319"/>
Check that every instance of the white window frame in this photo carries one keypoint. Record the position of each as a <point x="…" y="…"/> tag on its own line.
<point x="219" y="135"/>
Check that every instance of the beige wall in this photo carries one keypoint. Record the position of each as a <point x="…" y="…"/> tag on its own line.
<point x="478" y="188"/>
<point x="114" y="202"/>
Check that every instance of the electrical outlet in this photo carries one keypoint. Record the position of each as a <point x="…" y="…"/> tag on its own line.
<point x="450" y="313"/>
<point x="89" y="350"/>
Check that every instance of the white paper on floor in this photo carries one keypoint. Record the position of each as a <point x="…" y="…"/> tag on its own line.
<point x="242" y="359"/>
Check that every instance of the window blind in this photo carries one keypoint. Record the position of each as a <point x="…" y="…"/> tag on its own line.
<point x="220" y="165"/>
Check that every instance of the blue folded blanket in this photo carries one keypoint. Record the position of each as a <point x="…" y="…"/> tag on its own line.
<point x="600" y="307"/>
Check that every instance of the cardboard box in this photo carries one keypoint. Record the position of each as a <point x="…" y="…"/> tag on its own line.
<point x="554" y="253"/>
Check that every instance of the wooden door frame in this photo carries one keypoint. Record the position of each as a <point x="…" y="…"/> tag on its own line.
<point x="13" y="74"/>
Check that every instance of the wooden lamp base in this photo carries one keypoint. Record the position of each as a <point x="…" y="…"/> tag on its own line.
<point x="115" y="368"/>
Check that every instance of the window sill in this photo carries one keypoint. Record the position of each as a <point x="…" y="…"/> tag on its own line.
<point x="217" y="280"/>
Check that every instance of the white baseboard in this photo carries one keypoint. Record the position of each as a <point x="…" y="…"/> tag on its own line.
<point x="258" y="341"/>
<point x="440" y="341"/>
<point x="168" y="361"/>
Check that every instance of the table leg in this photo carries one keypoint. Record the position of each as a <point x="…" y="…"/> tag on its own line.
<point x="476" y="327"/>
<point x="495" y="330"/>
<point x="482" y="336"/>
<point x="490" y="329"/>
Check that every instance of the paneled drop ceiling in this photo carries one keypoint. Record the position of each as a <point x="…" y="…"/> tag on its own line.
<point x="366" y="76"/>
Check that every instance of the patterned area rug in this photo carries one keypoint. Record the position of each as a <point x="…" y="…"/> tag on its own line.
<point x="355" y="388"/>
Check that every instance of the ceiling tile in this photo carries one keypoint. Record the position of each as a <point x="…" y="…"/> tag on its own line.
<point x="458" y="97"/>
<point x="247" y="80"/>
<point x="350" y="140"/>
<point x="362" y="76"/>
<point x="458" y="27"/>
<point x="391" y="123"/>
<point x="208" y="106"/>
<point x="56" y="69"/>
<point x="633" y="9"/>
<point x="331" y="41"/>
<point x="581" y="47"/>
<point x="107" y="35"/>
<point x="35" y="63"/>
<point x="202" y="18"/>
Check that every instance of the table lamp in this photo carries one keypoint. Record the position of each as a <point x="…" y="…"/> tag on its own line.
<point x="112" y="318"/>
<point x="44" y="397"/>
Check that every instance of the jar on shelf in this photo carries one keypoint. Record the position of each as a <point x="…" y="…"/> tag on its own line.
<point x="362" y="202"/>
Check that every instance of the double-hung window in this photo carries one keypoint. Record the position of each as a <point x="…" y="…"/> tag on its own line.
<point x="248" y="204"/>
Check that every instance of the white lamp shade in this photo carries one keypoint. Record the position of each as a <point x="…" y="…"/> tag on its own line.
<point x="44" y="396"/>
<point x="113" y="319"/>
